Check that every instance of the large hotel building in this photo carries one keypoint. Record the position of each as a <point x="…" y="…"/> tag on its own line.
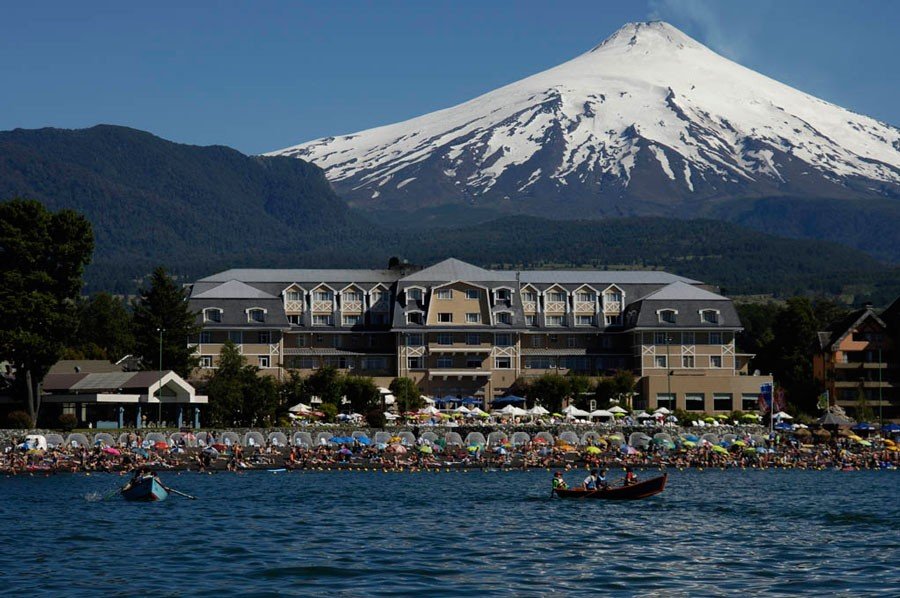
<point x="457" y="329"/>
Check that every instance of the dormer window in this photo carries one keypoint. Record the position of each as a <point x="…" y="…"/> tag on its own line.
<point x="504" y="317"/>
<point x="586" y="297"/>
<point x="212" y="314"/>
<point x="472" y="293"/>
<point x="414" y="294"/>
<point x="503" y="295"/>
<point x="294" y="296"/>
<point x="529" y="296"/>
<point x="556" y="296"/>
<point x="257" y="315"/>
<point x="709" y="316"/>
<point x="353" y="296"/>
<point x="323" y="296"/>
<point x="667" y="316"/>
<point x="415" y="317"/>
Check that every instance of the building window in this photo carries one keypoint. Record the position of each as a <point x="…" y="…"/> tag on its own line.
<point x="687" y="361"/>
<point x="530" y="320"/>
<point x="444" y="362"/>
<point x="445" y="317"/>
<point x="206" y="361"/>
<point x="473" y="338"/>
<point x="606" y="342"/>
<point x="473" y="318"/>
<point x="263" y="361"/>
<point x="415" y="317"/>
<point x="715" y="361"/>
<point x="236" y="336"/>
<point x="503" y="295"/>
<point x="659" y="361"/>
<point x="667" y="316"/>
<point x="413" y="294"/>
<point x="722" y="402"/>
<point x="414" y="363"/>
<point x="613" y="297"/>
<point x="661" y="338"/>
<point x="613" y="320"/>
<point x="554" y="320"/>
<point x="586" y="297"/>
<point x="694" y="402"/>
<point x="472" y="293"/>
<point x="294" y="319"/>
<point x="664" y="399"/>
<point x="536" y="342"/>
<point x="294" y="296"/>
<point x="205" y="337"/>
<point x="374" y="363"/>
<point x="320" y="320"/>
<point x="445" y="338"/>
<point x="539" y="363"/>
<point x="503" y="340"/>
<point x="474" y="363"/>
<point x="351" y="320"/>
<point x="715" y="338"/>
<point x="301" y="340"/>
<point x="529" y="296"/>
<point x="444" y="294"/>
<point x="212" y="315"/>
<point x="709" y="316"/>
<point x="749" y="402"/>
<point x="352" y="296"/>
<point x="556" y="296"/>
<point x="414" y="340"/>
<point x="687" y="338"/>
<point x="584" y="320"/>
<point x="265" y="337"/>
<point x="571" y="342"/>
<point x="323" y="296"/>
<point x="502" y="363"/>
<point x="504" y="317"/>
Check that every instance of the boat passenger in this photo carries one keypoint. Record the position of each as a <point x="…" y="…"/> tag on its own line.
<point x="558" y="482"/>
<point x="601" y="479"/>
<point x="630" y="477"/>
<point x="590" y="482"/>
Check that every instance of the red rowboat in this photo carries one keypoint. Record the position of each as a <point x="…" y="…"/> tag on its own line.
<point x="633" y="492"/>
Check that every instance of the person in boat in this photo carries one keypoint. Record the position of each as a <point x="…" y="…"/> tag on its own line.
<point x="590" y="482"/>
<point x="601" y="479"/>
<point x="630" y="477"/>
<point x="558" y="482"/>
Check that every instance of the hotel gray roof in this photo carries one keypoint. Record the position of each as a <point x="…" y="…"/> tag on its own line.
<point x="287" y="276"/>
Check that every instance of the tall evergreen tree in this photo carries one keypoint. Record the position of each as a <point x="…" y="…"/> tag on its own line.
<point x="104" y="328"/>
<point x="42" y="259"/>
<point x="163" y="307"/>
<point x="407" y="394"/>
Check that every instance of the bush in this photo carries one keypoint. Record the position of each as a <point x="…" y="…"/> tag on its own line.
<point x="330" y="412"/>
<point x="19" y="420"/>
<point x="67" y="422"/>
<point x="375" y="418"/>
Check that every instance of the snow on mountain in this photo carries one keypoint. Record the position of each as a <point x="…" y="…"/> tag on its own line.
<point x="648" y="119"/>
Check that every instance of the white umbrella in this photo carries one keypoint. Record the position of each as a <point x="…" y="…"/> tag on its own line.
<point x="430" y="410"/>
<point x="462" y="409"/>
<point x="508" y="410"/>
<point x="643" y="415"/>
<point x="428" y="400"/>
<point x="573" y="411"/>
<point x="519" y="411"/>
<point x="390" y="416"/>
<point x="782" y="415"/>
<point x="617" y="409"/>
<point x="478" y="411"/>
<point x="602" y="413"/>
<point x="300" y="408"/>
<point x="538" y="410"/>
<point x="662" y="411"/>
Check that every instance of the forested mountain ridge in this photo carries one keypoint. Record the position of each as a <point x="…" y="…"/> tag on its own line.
<point x="198" y="210"/>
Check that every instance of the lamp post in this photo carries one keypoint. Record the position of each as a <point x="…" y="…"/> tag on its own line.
<point x="668" y="371"/>
<point x="159" y="390"/>
<point x="880" y="390"/>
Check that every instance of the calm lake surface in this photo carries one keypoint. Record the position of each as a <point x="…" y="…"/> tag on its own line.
<point x="473" y="533"/>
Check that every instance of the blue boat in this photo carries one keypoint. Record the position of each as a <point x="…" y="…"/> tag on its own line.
<point x="146" y="487"/>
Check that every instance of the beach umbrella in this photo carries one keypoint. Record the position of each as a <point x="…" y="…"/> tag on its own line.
<point x="538" y="410"/>
<point x="691" y="437"/>
<point x="643" y="415"/>
<point x="617" y="414"/>
<point x="592" y="450"/>
<point x="709" y="420"/>
<point x="345" y="451"/>
<point x="617" y="409"/>
<point x="211" y="452"/>
<point x="689" y="443"/>
<point x="891" y="428"/>
<point x="160" y="445"/>
<point x="398" y="449"/>
<point x="720" y="449"/>
<point x="426" y="449"/>
<point x="601" y="413"/>
<point x="782" y="415"/>
<point x="662" y="411"/>
<point x="111" y="451"/>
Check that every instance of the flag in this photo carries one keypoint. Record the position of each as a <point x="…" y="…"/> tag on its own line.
<point x="823" y="401"/>
<point x="779" y="402"/>
<point x="762" y="403"/>
<point x="765" y="397"/>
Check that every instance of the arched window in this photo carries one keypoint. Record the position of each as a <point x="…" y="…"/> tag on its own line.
<point x="667" y="316"/>
<point x="212" y="314"/>
<point x="256" y="314"/>
<point x="709" y="316"/>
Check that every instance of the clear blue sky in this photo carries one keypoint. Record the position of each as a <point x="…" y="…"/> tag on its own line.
<point x="263" y="75"/>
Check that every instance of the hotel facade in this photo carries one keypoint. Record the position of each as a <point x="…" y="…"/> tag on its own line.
<point x="457" y="329"/>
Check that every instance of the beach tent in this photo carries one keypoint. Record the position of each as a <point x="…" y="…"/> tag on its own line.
<point x="662" y="411"/>
<point x="538" y="410"/>
<point x="430" y="410"/>
<point x="300" y="408"/>
<point x="782" y="415"/>
<point x="477" y="411"/>
<point x="601" y="413"/>
<point x="462" y="409"/>
<point x="643" y="415"/>
<point x="617" y="409"/>
<point x="572" y="412"/>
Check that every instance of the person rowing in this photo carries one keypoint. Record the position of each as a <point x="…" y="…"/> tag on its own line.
<point x="558" y="482"/>
<point x="630" y="477"/>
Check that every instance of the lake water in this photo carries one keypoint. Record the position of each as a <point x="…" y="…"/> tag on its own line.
<point x="473" y="533"/>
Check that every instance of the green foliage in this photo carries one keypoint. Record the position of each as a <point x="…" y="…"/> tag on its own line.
<point x="104" y="328"/>
<point x="67" y="422"/>
<point x="238" y="395"/>
<point x="862" y="411"/>
<point x="42" y="257"/>
<point x="614" y="388"/>
<point x="580" y="388"/>
<point x="163" y="306"/>
<point x="548" y="390"/>
<point x="18" y="420"/>
<point x="375" y="418"/>
<point x="330" y="410"/>
<point x="362" y="393"/>
<point x="327" y="384"/>
<point x="407" y="394"/>
<point x="293" y="390"/>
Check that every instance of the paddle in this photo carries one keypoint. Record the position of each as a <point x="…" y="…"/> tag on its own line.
<point x="179" y="493"/>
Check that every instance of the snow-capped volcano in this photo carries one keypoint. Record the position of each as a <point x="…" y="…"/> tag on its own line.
<point x="649" y="119"/>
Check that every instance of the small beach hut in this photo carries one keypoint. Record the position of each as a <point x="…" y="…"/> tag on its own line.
<point x="496" y="438"/>
<point x="278" y="439"/>
<point x="253" y="439"/>
<point x="303" y="439"/>
<point x="475" y="439"/>
<point x="453" y="439"/>
<point x="520" y="438"/>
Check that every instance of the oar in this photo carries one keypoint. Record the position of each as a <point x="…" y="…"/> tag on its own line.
<point x="173" y="491"/>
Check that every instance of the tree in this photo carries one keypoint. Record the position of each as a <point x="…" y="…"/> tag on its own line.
<point x="579" y="390"/>
<point x="549" y="390"/>
<point x="104" y="328"/>
<point x="327" y="384"/>
<point x="42" y="259"/>
<point x="407" y="394"/>
<point x="238" y="395"/>
<point x="293" y="390"/>
<point x="163" y="306"/>
<point x="362" y="393"/>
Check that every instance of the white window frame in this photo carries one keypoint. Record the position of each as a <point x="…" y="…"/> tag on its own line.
<point x="504" y="317"/>
<point x="414" y="293"/>
<point x="346" y="320"/>
<point x="555" y="320"/>
<point x="208" y="310"/>
<point x="688" y="358"/>
<point x="443" y="294"/>
<point x="660" y="361"/>
<point x="703" y="312"/>
<point x="417" y="312"/>
<point x="531" y="320"/>
<point x="471" y="292"/>
<point x="206" y="361"/>
<point x="579" y="320"/>
<point x="329" y="320"/>
<point x="441" y="317"/>
<point x="473" y="318"/>
<point x="662" y="320"/>
<point x="715" y="358"/>
<point x="501" y="359"/>
<point x="264" y="361"/>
